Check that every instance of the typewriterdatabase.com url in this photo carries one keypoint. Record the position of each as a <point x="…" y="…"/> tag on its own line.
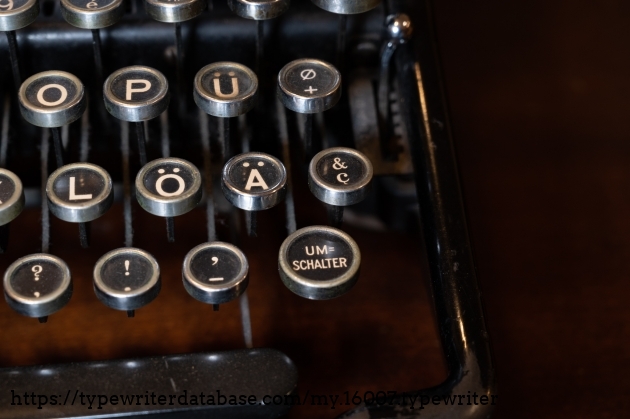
<point x="410" y="400"/>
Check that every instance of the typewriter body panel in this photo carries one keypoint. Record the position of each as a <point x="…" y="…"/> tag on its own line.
<point x="417" y="275"/>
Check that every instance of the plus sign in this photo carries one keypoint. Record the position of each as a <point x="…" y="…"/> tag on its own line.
<point x="310" y="90"/>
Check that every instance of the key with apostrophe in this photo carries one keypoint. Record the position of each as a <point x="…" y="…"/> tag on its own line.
<point x="38" y="285"/>
<point x="319" y="263"/>
<point x="14" y="15"/>
<point x="340" y="177"/>
<point x="11" y="203"/>
<point x="80" y="193"/>
<point x="127" y="279"/>
<point x="136" y="94"/>
<point x="52" y="99"/>
<point x="254" y="182"/>
<point x="225" y="90"/>
<point x="167" y="188"/>
<point x="215" y="273"/>
<point x="309" y="86"/>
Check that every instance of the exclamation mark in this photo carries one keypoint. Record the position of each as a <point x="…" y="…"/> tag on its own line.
<point x="127" y="268"/>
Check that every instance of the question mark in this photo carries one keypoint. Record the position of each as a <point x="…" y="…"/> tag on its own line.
<point x="37" y="269"/>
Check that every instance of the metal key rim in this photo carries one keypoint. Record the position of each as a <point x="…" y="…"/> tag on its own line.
<point x="346" y="7"/>
<point x="12" y="20"/>
<point x="177" y="11"/>
<point x="92" y="18"/>
<point x="122" y="295"/>
<point x="84" y="211"/>
<point x="65" y="283"/>
<point x="259" y="11"/>
<point x="313" y="289"/>
<point x="219" y="293"/>
<point x="339" y="194"/>
<point x="13" y="207"/>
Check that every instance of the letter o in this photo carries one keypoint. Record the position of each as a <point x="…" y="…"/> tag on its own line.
<point x="40" y="95"/>
<point x="162" y="192"/>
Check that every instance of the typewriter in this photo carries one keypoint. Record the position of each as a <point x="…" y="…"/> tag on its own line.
<point x="232" y="209"/>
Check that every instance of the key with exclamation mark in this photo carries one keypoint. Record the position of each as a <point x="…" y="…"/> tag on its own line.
<point x="126" y="268"/>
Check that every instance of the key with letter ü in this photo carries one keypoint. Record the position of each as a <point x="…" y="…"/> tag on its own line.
<point x="254" y="182"/>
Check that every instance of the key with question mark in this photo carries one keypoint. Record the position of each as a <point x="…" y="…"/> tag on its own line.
<point x="37" y="269"/>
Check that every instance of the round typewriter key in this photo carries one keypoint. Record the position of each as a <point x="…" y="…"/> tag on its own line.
<point x="225" y="89"/>
<point x="136" y="93"/>
<point x="79" y="192"/>
<point x="11" y="196"/>
<point x="52" y="99"/>
<point x="259" y="9"/>
<point x="319" y="263"/>
<point x="127" y="279"/>
<point x="173" y="11"/>
<point x="37" y="285"/>
<point x="309" y="86"/>
<point x="168" y="187"/>
<point x="17" y="14"/>
<point x="215" y="273"/>
<point x="92" y="14"/>
<point x="347" y="7"/>
<point x="254" y="181"/>
<point x="339" y="177"/>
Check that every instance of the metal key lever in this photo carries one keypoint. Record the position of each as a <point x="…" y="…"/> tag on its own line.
<point x="455" y="288"/>
<point x="252" y="372"/>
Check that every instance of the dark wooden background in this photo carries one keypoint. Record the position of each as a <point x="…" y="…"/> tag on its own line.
<point x="539" y="98"/>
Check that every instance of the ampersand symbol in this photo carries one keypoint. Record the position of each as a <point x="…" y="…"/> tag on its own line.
<point x="338" y="164"/>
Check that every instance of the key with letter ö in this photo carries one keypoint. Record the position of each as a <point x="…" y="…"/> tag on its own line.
<point x="254" y="182"/>
<point x="215" y="273"/>
<point x="37" y="285"/>
<point x="168" y="187"/>
<point x="127" y="279"/>
<point x="319" y="263"/>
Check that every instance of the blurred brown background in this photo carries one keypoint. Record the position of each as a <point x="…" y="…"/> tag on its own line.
<point x="538" y="92"/>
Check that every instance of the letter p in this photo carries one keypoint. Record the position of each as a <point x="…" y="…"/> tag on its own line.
<point x="146" y="85"/>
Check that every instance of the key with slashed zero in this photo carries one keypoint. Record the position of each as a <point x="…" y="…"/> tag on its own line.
<point x="319" y="263"/>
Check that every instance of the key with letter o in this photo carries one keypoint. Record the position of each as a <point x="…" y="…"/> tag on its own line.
<point x="319" y="263"/>
<point x="37" y="285"/>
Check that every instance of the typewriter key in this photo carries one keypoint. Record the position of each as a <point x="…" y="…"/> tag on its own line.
<point x="339" y="177"/>
<point x="173" y="11"/>
<point x="11" y="204"/>
<point x="79" y="193"/>
<point x="319" y="263"/>
<point x="14" y="15"/>
<point x="168" y="187"/>
<point x="309" y="86"/>
<point x="215" y="273"/>
<point x="127" y="279"/>
<point x="347" y="7"/>
<point x="52" y="99"/>
<point x="92" y="14"/>
<point x="136" y="94"/>
<point x="259" y="9"/>
<point x="37" y="285"/>
<point x="254" y="182"/>
<point x="225" y="90"/>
